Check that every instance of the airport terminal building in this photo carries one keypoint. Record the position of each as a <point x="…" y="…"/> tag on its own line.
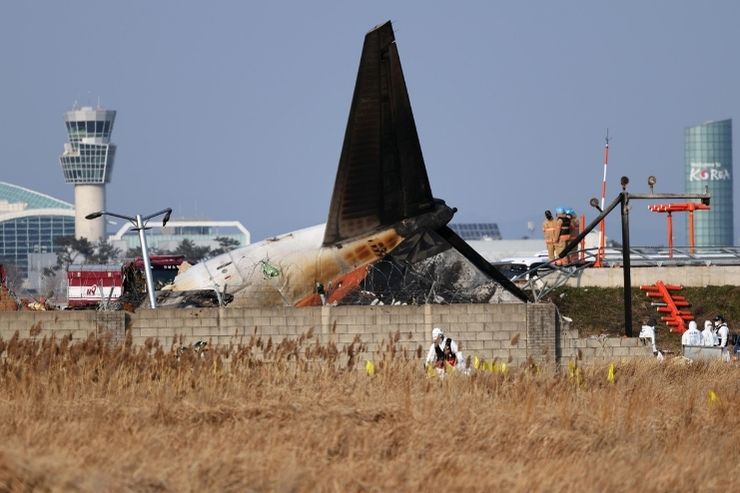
<point x="29" y="223"/>
<point x="708" y="165"/>
<point x="202" y="232"/>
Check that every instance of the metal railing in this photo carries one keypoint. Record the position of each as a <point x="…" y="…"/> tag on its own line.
<point x="651" y="256"/>
<point x="542" y="279"/>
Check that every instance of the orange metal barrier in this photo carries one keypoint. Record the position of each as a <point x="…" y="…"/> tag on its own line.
<point x="671" y="305"/>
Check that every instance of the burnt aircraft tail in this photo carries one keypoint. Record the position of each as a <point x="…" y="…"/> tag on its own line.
<point x="381" y="177"/>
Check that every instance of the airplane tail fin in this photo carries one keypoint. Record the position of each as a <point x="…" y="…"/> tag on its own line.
<point x="381" y="177"/>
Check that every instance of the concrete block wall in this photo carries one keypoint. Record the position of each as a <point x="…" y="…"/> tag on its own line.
<point x="488" y="331"/>
<point x="601" y="349"/>
<point x="690" y="276"/>
<point x="515" y="333"/>
<point x="78" y="324"/>
<point x="221" y="326"/>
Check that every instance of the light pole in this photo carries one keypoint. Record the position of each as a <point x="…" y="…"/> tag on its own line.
<point x="140" y="224"/>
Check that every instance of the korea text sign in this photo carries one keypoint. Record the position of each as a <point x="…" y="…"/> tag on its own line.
<point x="708" y="171"/>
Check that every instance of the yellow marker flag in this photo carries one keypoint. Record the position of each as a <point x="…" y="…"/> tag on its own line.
<point x="574" y="373"/>
<point x="713" y="398"/>
<point x="610" y="375"/>
<point x="504" y="369"/>
<point x="370" y="367"/>
<point x="431" y="372"/>
<point x="476" y="362"/>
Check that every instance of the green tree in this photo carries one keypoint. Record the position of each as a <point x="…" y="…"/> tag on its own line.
<point x="104" y="253"/>
<point x="133" y="253"/>
<point x="81" y="251"/>
<point x="225" y="244"/>
<point x="72" y="251"/>
<point x="136" y="252"/>
<point x="191" y="251"/>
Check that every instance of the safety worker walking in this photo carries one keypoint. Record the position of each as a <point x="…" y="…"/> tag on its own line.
<point x="550" y="229"/>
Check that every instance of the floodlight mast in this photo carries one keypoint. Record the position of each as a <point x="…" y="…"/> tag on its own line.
<point x="140" y="225"/>
<point x="623" y="200"/>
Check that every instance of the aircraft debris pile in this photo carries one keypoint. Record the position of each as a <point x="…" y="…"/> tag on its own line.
<point x="442" y="279"/>
<point x="204" y="298"/>
<point x="10" y="302"/>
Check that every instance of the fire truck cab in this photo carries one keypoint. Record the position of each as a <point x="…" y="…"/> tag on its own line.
<point x="91" y="284"/>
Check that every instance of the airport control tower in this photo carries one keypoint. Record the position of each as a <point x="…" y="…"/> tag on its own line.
<point x="87" y="162"/>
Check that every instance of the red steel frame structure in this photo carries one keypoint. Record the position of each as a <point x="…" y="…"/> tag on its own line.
<point x="669" y="209"/>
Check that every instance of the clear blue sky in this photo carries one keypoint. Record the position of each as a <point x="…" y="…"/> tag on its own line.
<point x="237" y="110"/>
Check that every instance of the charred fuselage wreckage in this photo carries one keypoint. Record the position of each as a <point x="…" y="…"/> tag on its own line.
<point x="386" y="238"/>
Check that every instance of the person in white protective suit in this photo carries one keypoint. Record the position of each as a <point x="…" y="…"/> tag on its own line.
<point x="692" y="337"/>
<point x="708" y="335"/>
<point x="647" y="332"/>
<point x="444" y="350"/>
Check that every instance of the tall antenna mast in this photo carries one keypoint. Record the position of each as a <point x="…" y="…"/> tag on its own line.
<point x="602" y="224"/>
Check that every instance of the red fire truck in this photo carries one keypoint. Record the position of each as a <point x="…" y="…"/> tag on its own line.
<point x="91" y="284"/>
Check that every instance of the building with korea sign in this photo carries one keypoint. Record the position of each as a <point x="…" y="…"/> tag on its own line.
<point x="708" y="160"/>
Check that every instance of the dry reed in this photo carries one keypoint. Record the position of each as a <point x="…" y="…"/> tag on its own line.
<point x="299" y="416"/>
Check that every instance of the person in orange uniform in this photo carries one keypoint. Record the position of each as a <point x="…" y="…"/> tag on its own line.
<point x="575" y="230"/>
<point x="550" y="229"/>
<point x="563" y="234"/>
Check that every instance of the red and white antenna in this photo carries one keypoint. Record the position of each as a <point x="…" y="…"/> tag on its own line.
<point x="602" y="224"/>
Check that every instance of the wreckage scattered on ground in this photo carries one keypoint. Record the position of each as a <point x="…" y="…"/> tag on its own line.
<point x="386" y="236"/>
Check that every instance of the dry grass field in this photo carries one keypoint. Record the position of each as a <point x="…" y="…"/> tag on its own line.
<point x="300" y="417"/>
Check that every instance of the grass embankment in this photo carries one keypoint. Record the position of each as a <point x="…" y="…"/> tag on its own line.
<point x="93" y="417"/>
<point x="597" y="311"/>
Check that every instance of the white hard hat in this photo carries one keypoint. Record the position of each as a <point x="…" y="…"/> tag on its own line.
<point x="692" y="325"/>
<point x="436" y="332"/>
<point x="708" y="324"/>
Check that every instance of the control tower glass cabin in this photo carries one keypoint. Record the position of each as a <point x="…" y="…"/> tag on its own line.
<point x="87" y="163"/>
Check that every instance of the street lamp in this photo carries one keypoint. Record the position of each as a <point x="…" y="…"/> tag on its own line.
<point x="140" y="224"/>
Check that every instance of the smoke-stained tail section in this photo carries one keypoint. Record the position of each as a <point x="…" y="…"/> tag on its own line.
<point x="382" y="180"/>
<point x="381" y="177"/>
